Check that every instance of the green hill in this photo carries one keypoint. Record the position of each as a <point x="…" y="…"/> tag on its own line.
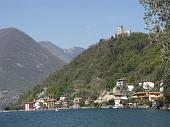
<point x="102" y="64"/>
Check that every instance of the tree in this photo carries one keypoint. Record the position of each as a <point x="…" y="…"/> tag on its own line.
<point x="157" y="19"/>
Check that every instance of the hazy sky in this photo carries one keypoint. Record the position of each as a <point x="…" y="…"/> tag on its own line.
<point x="69" y="23"/>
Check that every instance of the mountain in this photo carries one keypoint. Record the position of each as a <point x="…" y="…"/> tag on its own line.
<point x="73" y="52"/>
<point x="64" y="54"/>
<point x="98" y="68"/>
<point x="23" y="62"/>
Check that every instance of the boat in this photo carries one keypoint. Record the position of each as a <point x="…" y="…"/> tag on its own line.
<point x="56" y="109"/>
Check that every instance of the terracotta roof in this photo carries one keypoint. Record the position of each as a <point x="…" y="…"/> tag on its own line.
<point x="154" y="92"/>
<point x="145" y="93"/>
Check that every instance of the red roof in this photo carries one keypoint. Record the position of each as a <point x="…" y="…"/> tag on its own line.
<point x="145" y="93"/>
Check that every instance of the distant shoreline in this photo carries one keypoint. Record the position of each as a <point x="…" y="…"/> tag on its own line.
<point x="3" y="111"/>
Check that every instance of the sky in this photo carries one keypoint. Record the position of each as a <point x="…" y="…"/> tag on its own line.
<point x="70" y="23"/>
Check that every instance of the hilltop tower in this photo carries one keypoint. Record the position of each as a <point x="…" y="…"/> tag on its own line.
<point x="120" y="30"/>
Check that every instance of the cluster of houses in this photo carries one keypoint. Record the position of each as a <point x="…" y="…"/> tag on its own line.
<point x="118" y="95"/>
<point x="49" y="103"/>
<point x="150" y="92"/>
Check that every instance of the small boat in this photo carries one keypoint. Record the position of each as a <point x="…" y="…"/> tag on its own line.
<point x="56" y="109"/>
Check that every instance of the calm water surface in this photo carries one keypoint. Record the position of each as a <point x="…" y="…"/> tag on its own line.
<point x="87" y="118"/>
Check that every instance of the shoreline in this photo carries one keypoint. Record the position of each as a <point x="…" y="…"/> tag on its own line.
<point x="59" y="109"/>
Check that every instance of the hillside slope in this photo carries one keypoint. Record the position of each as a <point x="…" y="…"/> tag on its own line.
<point x="102" y="64"/>
<point x="23" y="63"/>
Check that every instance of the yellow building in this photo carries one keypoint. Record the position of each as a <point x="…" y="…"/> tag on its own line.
<point x="151" y="96"/>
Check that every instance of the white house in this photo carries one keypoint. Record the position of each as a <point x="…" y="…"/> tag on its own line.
<point x="40" y="103"/>
<point x="117" y="99"/>
<point x="120" y="82"/>
<point x="147" y="85"/>
<point x="130" y="87"/>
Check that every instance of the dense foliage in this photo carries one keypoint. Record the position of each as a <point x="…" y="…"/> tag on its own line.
<point x="157" y="18"/>
<point x="102" y="64"/>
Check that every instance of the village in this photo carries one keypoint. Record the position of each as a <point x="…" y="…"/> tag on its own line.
<point x="145" y="95"/>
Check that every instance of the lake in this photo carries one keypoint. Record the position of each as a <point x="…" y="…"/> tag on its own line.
<point x="87" y="118"/>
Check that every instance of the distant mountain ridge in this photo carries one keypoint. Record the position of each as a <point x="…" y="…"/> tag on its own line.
<point x="23" y="62"/>
<point x="64" y="54"/>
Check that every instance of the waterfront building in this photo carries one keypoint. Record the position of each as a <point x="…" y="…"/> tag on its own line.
<point x="51" y="103"/>
<point x="77" y="102"/>
<point x="39" y="106"/>
<point x="150" y="96"/>
<point x="29" y="106"/>
<point x="117" y="99"/>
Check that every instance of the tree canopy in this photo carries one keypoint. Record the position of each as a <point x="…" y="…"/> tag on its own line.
<point x="157" y="19"/>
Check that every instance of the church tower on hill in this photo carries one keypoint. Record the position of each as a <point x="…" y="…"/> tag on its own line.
<point x="120" y="32"/>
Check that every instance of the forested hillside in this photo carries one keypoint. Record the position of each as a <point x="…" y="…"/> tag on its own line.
<point x="99" y="67"/>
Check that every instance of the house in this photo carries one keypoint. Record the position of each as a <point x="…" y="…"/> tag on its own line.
<point x="58" y="104"/>
<point x="147" y="85"/>
<point x="121" y="82"/>
<point x="151" y="96"/>
<point x="29" y="106"/>
<point x="62" y="99"/>
<point x="39" y="106"/>
<point x="41" y="103"/>
<point x="51" y="103"/>
<point x="130" y="87"/>
<point x="77" y="102"/>
<point x="117" y="99"/>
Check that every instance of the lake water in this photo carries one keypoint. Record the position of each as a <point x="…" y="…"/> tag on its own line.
<point x="87" y="118"/>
